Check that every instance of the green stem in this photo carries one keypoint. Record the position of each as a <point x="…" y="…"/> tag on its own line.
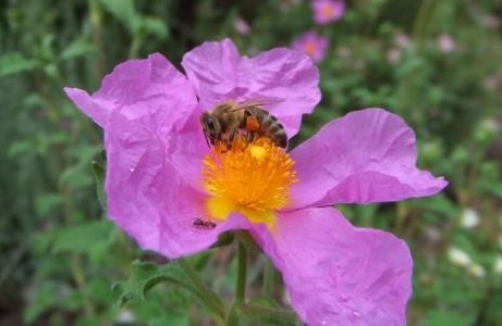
<point x="96" y="19"/>
<point x="240" y="286"/>
<point x="78" y="276"/>
<point x="273" y="315"/>
<point x="420" y="25"/>
<point x="206" y="295"/>
<point x="268" y="279"/>
<point x="135" y="45"/>
<point x="240" y="290"/>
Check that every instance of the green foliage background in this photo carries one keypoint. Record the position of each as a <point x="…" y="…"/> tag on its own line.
<point x="60" y="256"/>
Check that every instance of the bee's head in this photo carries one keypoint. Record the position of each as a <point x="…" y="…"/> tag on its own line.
<point x="210" y="126"/>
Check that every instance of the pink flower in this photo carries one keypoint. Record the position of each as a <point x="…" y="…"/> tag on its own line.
<point x="326" y="11"/>
<point x="312" y="44"/>
<point x="241" y="26"/>
<point x="446" y="43"/>
<point x="161" y="176"/>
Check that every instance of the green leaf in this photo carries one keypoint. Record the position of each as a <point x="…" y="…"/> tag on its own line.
<point x="46" y="202"/>
<point x="145" y="275"/>
<point x="124" y="11"/>
<point x="98" y="166"/>
<point x="13" y="63"/>
<point x="88" y="238"/>
<point x="77" y="48"/>
<point x="440" y="318"/>
<point x="20" y="147"/>
<point x="155" y="26"/>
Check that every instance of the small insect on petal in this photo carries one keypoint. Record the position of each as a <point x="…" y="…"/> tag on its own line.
<point x="203" y="224"/>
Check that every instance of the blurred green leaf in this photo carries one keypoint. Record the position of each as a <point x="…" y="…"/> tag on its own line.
<point x="86" y="238"/>
<point x="124" y="11"/>
<point x="49" y="295"/>
<point x="77" y="48"/>
<point x="47" y="202"/>
<point x="20" y="147"/>
<point x="443" y="318"/>
<point x="155" y="26"/>
<point x="13" y="63"/>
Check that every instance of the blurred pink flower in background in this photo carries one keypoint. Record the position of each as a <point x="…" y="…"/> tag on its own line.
<point x="312" y="44"/>
<point x="446" y="43"/>
<point x="326" y="11"/>
<point x="401" y="40"/>
<point x="161" y="176"/>
<point x="241" y="26"/>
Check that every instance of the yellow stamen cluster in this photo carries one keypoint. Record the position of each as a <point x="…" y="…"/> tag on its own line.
<point x="252" y="178"/>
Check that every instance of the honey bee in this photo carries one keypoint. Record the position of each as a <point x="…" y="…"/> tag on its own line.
<point x="229" y="119"/>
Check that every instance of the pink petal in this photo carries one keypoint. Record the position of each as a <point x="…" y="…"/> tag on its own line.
<point x="149" y="196"/>
<point x="337" y="274"/>
<point x="288" y="79"/>
<point x="141" y="105"/>
<point x="366" y="156"/>
<point x="187" y="152"/>
<point x="136" y="88"/>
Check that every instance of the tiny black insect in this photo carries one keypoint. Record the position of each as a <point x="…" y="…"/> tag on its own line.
<point x="200" y="223"/>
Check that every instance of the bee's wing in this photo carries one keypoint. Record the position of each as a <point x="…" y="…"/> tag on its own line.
<point x="259" y="101"/>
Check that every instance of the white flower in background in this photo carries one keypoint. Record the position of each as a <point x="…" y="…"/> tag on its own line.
<point x="459" y="257"/>
<point x="446" y="43"/>
<point x="497" y="267"/>
<point x="469" y="218"/>
<point x="125" y="316"/>
<point x="476" y="270"/>
<point x="490" y="124"/>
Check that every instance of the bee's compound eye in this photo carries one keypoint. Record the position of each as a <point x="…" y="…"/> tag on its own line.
<point x="210" y="123"/>
<point x="247" y="113"/>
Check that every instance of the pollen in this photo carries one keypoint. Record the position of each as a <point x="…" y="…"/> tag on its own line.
<point x="252" y="178"/>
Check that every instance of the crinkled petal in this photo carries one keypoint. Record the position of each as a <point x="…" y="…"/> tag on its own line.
<point x="149" y="197"/>
<point x="137" y="88"/>
<point x="187" y="152"/>
<point x="338" y="274"/>
<point x="141" y="105"/>
<point x="366" y="156"/>
<point x="287" y="80"/>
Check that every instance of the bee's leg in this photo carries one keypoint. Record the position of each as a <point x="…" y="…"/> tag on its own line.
<point x="250" y="136"/>
<point x="231" y="139"/>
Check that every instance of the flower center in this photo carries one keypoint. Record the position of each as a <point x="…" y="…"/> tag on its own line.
<point x="310" y="48"/>
<point x="252" y="178"/>
<point x="327" y="10"/>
